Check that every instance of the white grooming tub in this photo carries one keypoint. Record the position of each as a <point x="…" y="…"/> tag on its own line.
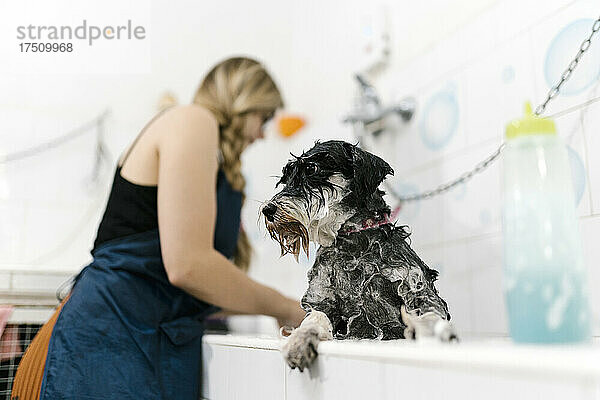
<point x="247" y="367"/>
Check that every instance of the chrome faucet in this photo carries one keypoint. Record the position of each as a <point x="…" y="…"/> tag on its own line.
<point x="369" y="108"/>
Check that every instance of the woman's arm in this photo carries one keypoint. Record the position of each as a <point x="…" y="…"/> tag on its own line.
<point x="226" y="313"/>
<point x="187" y="171"/>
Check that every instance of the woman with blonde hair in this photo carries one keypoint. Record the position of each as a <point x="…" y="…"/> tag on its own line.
<point x="131" y="326"/>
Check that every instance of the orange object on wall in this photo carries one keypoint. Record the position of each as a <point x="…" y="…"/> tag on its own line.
<point x="290" y="124"/>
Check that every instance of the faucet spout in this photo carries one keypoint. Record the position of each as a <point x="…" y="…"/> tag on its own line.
<point x="369" y="107"/>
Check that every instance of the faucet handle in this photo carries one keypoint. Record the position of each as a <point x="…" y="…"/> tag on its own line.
<point x="367" y="90"/>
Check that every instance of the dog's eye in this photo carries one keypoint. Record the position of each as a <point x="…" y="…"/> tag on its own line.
<point x="311" y="169"/>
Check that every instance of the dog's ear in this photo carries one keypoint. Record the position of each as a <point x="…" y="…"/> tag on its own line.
<point x="369" y="172"/>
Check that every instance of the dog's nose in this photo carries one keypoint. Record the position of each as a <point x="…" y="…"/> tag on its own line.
<point x="269" y="210"/>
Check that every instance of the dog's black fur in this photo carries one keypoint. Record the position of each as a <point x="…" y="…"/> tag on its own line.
<point x="313" y="168"/>
<point x="362" y="279"/>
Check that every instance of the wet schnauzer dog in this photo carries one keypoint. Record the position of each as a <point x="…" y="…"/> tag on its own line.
<point x="366" y="282"/>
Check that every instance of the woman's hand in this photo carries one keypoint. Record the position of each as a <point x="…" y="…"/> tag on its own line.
<point x="294" y="315"/>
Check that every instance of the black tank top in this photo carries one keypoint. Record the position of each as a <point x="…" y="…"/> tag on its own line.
<point x="131" y="208"/>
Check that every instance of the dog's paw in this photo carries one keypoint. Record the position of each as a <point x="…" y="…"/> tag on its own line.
<point x="300" y="349"/>
<point x="427" y="326"/>
<point x="444" y="331"/>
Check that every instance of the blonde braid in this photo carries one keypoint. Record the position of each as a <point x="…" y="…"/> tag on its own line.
<point x="232" y="89"/>
<point x="232" y="145"/>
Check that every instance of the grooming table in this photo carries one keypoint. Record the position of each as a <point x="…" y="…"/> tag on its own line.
<point x="246" y="367"/>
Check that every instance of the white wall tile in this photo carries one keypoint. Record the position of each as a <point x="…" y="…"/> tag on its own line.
<point x="433" y="256"/>
<point x="455" y="286"/>
<point x="5" y="280"/>
<point x="438" y="126"/>
<point x="556" y="41"/>
<point x="473" y="208"/>
<point x="19" y="123"/>
<point x="424" y="217"/>
<point x="477" y="37"/>
<point x="570" y="129"/>
<point x="38" y="282"/>
<point x="454" y="280"/>
<point x="61" y="174"/>
<point x="518" y="15"/>
<point x="59" y="236"/>
<point x="498" y="84"/>
<point x="12" y="217"/>
<point x="409" y="79"/>
<point x="488" y="306"/>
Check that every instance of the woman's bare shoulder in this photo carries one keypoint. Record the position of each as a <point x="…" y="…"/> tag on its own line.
<point x="193" y="113"/>
<point x="189" y="121"/>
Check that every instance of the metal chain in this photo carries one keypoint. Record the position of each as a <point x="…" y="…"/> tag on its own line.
<point x="447" y="186"/>
<point x="484" y="164"/>
<point x="567" y="74"/>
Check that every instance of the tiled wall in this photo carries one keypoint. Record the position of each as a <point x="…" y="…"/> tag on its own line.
<point x="468" y="86"/>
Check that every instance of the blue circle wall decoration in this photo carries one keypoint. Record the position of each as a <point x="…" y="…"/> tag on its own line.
<point x="440" y="119"/>
<point x="561" y="51"/>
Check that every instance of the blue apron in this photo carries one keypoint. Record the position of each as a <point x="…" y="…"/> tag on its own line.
<point x="126" y="332"/>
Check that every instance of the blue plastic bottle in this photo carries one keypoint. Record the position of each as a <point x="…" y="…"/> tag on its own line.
<point x="545" y="283"/>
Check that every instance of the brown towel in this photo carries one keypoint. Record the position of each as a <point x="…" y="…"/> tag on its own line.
<point x="28" y="379"/>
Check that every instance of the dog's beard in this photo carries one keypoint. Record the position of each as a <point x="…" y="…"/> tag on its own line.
<point x="315" y="218"/>
<point x="290" y="233"/>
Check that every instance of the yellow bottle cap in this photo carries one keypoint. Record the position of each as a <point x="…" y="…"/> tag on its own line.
<point x="530" y="124"/>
